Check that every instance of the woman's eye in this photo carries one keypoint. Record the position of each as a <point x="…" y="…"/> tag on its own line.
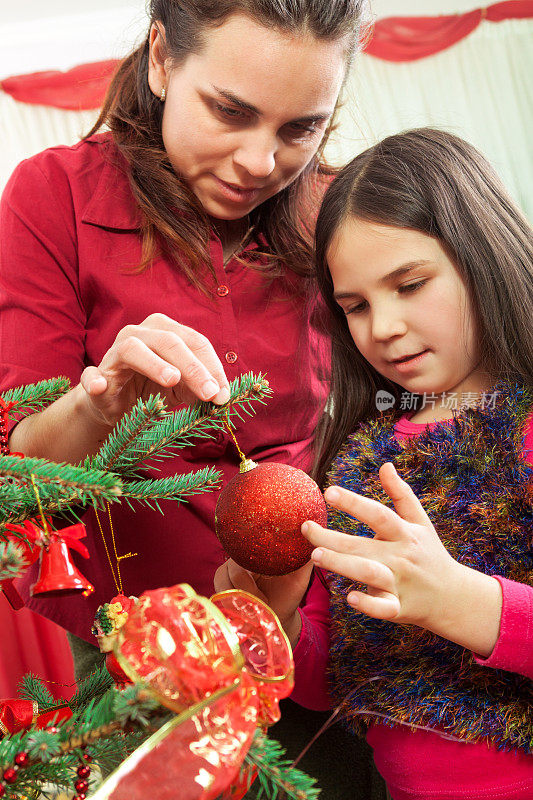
<point x="229" y="113"/>
<point x="407" y="288"/>
<point x="300" y="130"/>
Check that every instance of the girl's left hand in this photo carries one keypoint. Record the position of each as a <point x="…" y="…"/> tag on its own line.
<point x="411" y="577"/>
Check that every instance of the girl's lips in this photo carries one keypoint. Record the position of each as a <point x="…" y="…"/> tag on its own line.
<point x="235" y="194"/>
<point x="411" y="363"/>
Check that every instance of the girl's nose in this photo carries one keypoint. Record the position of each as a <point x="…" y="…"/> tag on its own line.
<point x="257" y="154"/>
<point x="386" y="325"/>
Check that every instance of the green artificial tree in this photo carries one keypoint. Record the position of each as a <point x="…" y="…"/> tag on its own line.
<point x="108" y="724"/>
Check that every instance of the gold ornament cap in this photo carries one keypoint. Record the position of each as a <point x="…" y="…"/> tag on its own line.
<point x="246" y="465"/>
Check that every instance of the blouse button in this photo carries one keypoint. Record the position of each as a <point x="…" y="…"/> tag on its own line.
<point x="222" y="291"/>
<point x="231" y="357"/>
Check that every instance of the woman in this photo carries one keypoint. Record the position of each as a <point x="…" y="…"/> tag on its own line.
<point x="170" y="254"/>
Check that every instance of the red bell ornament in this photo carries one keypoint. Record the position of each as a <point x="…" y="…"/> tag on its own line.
<point x="57" y="573"/>
<point x="259" y="515"/>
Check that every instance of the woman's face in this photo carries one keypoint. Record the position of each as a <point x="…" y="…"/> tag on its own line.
<point x="245" y="115"/>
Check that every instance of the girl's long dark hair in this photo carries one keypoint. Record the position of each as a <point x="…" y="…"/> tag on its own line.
<point x="434" y="182"/>
<point x="134" y="116"/>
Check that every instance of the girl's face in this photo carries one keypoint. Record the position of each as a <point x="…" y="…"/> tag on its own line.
<point x="245" y="115"/>
<point x="406" y="306"/>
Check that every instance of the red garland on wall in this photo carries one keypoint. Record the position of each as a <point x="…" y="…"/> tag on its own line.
<point x="394" y="39"/>
<point x="410" y="38"/>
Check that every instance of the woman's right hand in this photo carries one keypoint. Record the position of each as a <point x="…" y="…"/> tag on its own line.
<point x="283" y="593"/>
<point x="158" y="356"/>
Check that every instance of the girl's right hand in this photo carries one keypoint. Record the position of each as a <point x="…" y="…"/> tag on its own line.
<point x="158" y="356"/>
<point x="283" y="593"/>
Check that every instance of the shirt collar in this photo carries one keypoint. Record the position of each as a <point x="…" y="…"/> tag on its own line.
<point x="112" y="204"/>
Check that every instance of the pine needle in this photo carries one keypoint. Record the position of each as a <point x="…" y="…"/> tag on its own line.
<point x="35" y="396"/>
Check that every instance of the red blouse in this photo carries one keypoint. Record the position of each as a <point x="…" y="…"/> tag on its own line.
<point x="69" y="243"/>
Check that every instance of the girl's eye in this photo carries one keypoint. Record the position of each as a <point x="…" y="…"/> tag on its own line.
<point x="229" y="113"/>
<point x="407" y="288"/>
<point x="360" y="307"/>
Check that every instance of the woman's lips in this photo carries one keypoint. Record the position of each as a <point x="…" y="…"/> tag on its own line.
<point x="410" y="363"/>
<point x="235" y="193"/>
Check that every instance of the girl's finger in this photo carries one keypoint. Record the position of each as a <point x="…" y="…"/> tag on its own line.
<point x="381" y="519"/>
<point x="343" y="542"/>
<point x="242" y="579"/>
<point x="221" y="579"/>
<point x="364" y="570"/>
<point x="383" y="606"/>
<point x="405" y="500"/>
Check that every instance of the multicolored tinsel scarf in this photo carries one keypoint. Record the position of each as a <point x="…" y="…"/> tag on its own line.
<point x="473" y="482"/>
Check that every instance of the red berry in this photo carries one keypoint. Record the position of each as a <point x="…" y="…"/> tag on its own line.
<point x="21" y="759"/>
<point x="80" y="797"/>
<point x="2" y="790"/>
<point x="53" y="729"/>
<point x="10" y="775"/>
<point x="81" y="786"/>
<point x="88" y="758"/>
<point x="84" y="771"/>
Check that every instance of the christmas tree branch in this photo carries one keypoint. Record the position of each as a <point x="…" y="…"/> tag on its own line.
<point x="91" y="688"/>
<point x="36" y="396"/>
<point x="176" y="487"/>
<point x="178" y="430"/>
<point x="57" y="485"/>
<point x="31" y="688"/>
<point x="119" y="453"/>
<point x="11" y="560"/>
<point x="276" y="776"/>
<point x="112" y="727"/>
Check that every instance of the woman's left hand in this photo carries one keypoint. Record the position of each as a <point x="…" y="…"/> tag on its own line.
<point x="411" y="577"/>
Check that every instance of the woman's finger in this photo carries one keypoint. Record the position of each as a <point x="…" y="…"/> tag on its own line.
<point x="385" y="522"/>
<point x="93" y="382"/>
<point x="364" y="570"/>
<point x="138" y="354"/>
<point x="383" y="605"/>
<point x="201" y="350"/>
<point x="204" y="351"/>
<point x="405" y="500"/>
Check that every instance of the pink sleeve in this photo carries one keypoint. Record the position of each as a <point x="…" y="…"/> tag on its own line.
<point x="514" y="649"/>
<point x="311" y="652"/>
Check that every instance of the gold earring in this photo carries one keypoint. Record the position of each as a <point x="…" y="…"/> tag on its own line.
<point x="163" y="94"/>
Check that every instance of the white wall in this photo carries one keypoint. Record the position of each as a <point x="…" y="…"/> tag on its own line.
<point x="57" y="34"/>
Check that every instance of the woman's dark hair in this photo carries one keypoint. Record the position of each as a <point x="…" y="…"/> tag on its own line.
<point x="434" y="182"/>
<point x="134" y="116"/>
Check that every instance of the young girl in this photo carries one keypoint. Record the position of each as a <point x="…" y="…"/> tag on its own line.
<point x="426" y="267"/>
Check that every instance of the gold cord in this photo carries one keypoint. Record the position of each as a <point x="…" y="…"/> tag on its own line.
<point x="116" y="578"/>
<point x="228" y="428"/>
<point x="41" y="512"/>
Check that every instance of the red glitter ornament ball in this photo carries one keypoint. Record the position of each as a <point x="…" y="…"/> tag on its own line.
<point x="259" y="515"/>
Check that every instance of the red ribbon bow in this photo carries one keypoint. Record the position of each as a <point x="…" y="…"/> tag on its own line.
<point x="72" y="535"/>
<point x="17" y="715"/>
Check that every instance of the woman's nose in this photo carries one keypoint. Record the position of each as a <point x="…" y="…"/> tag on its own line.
<point x="257" y="154"/>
